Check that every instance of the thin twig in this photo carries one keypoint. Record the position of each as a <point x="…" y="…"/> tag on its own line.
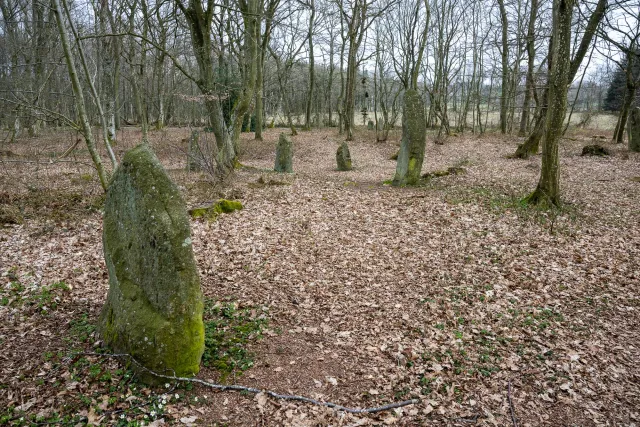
<point x="513" y="412"/>
<point x="257" y="391"/>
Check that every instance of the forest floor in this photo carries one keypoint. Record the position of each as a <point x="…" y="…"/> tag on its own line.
<point x="343" y="289"/>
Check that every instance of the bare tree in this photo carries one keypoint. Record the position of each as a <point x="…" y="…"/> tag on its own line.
<point x="562" y="71"/>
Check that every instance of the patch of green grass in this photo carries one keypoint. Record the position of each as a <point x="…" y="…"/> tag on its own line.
<point x="228" y="332"/>
<point x="500" y="202"/>
<point x="45" y="298"/>
<point x="81" y="329"/>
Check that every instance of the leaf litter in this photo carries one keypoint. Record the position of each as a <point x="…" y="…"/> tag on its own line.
<point x="446" y="292"/>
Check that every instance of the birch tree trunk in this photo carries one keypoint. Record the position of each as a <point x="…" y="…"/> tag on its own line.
<point x="79" y="97"/>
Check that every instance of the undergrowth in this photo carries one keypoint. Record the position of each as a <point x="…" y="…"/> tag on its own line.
<point x="228" y="331"/>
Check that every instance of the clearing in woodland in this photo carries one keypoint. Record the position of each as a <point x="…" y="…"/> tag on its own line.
<point x="336" y="286"/>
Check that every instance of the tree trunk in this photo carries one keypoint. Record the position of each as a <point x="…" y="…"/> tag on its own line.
<point x="350" y="89"/>
<point x="505" y="68"/>
<point x="633" y="130"/>
<point x="532" y="143"/>
<point x="262" y="51"/>
<point x="531" y="56"/>
<point x="548" y="191"/>
<point x="108" y="95"/>
<point x="226" y="134"/>
<point x="312" y="76"/>
<point x="79" y="97"/>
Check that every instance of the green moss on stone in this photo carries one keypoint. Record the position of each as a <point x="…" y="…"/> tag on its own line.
<point x="211" y="212"/>
<point x="411" y="154"/>
<point x="228" y="206"/>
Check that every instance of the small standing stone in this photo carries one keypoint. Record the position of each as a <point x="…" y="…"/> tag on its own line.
<point x="633" y="130"/>
<point x="154" y="307"/>
<point x="343" y="157"/>
<point x="193" y="154"/>
<point x="414" y="135"/>
<point x="284" y="155"/>
<point x="370" y="125"/>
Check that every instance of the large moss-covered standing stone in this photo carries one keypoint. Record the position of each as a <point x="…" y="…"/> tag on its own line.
<point x="414" y="135"/>
<point x="633" y="130"/>
<point x="343" y="157"/>
<point x="284" y="155"/>
<point x="154" y="307"/>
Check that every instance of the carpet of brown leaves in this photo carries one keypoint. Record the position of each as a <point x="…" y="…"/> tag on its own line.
<point x="446" y="292"/>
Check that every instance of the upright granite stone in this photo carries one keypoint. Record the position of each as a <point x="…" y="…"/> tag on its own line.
<point x="343" y="157"/>
<point x="284" y="155"/>
<point x="414" y="136"/>
<point x="370" y="125"/>
<point x="194" y="155"/>
<point x="633" y="130"/>
<point x="154" y="306"/>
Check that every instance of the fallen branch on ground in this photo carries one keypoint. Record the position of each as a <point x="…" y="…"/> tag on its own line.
<point x="273" y="394"/>
<point x="513" y="413"/>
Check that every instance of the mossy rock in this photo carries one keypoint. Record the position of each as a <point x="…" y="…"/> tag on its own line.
<point x="212" y="211"/>
<point x="595" y="150"/>
<point x="343" y="158"/>
<point x="284" y="155"/>
<point x="414" y="134"/>
<point x="10" y="214"/>
<point x="154" y="307"/>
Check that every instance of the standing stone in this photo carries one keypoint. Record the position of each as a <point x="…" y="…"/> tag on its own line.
<point x="414" y="135"/>
<point x="633" y="130"/>
<point x="284" y="155"/>
<point x="343" y="157"/>
<point x="154" y="306"/>
<point x="194" y="156"/>
<point x="370" y="125"/>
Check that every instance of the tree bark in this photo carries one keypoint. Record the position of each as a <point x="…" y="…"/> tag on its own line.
<point x="79" y="98"/>
<point x="312" y="76"/>
<point x="532" y="143"/>
<point x="226" y="133"/>
<point x="547" y="192"/>
<point x="531" y="56"/>
<point x="505" y="68"/>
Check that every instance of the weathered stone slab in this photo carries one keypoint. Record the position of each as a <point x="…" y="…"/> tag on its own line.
<point x="414" y="136"/>
<point x="194" y="155"/>
<point x="284" y="155"/>
<point x="343" y="158"/>
<point x="154" y="306"/>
